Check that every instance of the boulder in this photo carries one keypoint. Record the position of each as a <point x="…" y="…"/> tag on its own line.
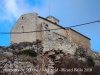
<point x="51" y="53"/>
<point x="57" y="57"/>
<point x="38" y="48"/>
<point x="8" y="54"/>
<point x="26" y="48"/>
<point x="80" y="52"/>
<point x="1" y="51"/>
<point x="20" y="45"/>
<point x="82" y="59"/>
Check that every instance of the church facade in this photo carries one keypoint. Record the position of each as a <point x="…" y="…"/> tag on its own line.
<point x="48" y="30"/>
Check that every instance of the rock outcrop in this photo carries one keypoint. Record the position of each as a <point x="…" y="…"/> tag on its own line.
<point x="46" y="63"/>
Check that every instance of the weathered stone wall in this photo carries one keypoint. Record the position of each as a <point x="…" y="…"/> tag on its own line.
<point x="78" y="39"/>
<point x="55" y="39"/>
<point x="52" y="38"/>
<point x="52" y="26"/>
<point x="67" y="40"/>
<point x="39" y="34"/>
<point x="25" y="23"/>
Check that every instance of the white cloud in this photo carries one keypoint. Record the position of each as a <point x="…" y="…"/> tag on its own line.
<point x="10" y="9"/>
<point x="14" y="8"/>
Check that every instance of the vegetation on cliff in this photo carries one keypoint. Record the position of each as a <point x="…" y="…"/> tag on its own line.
<point x="28" y="52"/>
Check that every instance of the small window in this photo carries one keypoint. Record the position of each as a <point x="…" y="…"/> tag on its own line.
<point x="22" y="17"/>
<point x="46" y="25"/>
<point x="22" y="28"/>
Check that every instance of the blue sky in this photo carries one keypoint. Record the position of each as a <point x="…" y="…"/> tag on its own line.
<point x="69" y="12"/>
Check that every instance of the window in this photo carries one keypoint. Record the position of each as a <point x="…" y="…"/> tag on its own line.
<point x="22" y="17"/>
<point x="23" y="29"/>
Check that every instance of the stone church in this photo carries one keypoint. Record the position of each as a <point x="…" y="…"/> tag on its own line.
<point x="48" y="30"/>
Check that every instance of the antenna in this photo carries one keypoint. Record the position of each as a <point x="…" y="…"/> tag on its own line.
<point x="49" y="9"/>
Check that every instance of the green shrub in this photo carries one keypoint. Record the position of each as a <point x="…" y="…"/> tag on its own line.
<point x="28" y="52"/>
<point x="90" y="61"/>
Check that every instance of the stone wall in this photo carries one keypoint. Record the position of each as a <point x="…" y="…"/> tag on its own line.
<point x="54" y="40"/>
<point x="67" y="40"/>
<point x="52" y="26"/>
<point x="78" y="39"/>
<point x="25" y="23"/>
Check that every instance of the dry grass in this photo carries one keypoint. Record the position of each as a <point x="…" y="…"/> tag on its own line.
<point x="67" y="63"/>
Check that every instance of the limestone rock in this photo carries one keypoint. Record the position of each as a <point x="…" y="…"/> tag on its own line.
<point x="26" y="48"/>
<point x="57" y="57"/>
<point x="1" y="51"/>
<point x="51" y="53"/>
<point x="8" y="54"/>
<point x="80" y="52"/>
<point x="82" y="59"/>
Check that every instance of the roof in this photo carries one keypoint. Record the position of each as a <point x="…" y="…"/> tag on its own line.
<point x="63" y="27"/>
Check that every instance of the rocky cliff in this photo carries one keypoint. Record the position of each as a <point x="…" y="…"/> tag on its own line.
<point x="28" y="58"/>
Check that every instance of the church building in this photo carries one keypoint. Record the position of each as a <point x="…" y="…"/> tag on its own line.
<point x="47" y="30"/>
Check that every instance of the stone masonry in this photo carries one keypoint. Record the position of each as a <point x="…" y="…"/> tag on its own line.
<point x="62" y="39"/>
